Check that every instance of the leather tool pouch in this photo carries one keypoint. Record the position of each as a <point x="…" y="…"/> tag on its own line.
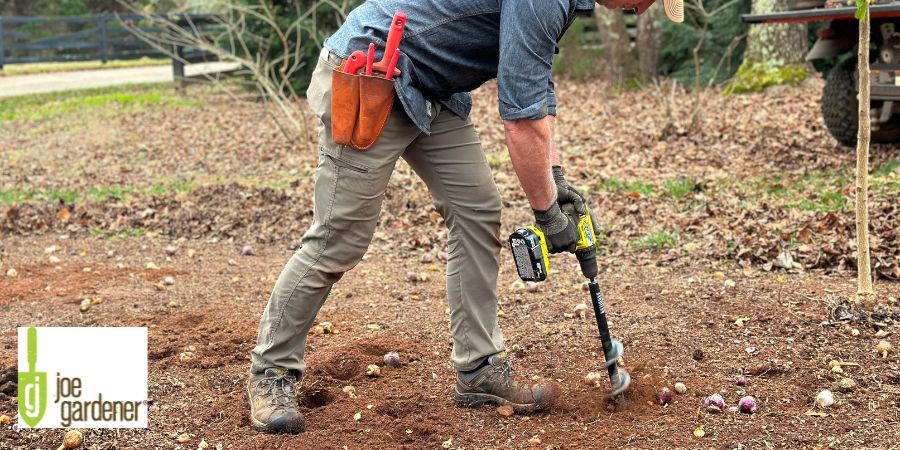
<point x="360" y="108"/>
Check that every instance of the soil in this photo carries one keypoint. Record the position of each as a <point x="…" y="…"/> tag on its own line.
<point x="700" y="314"/>
<point x="672" y="330"/>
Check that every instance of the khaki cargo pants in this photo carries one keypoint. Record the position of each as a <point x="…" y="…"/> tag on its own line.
<point x="349" y="189"/>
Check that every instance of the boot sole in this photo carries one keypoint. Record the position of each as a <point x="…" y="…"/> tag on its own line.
<point x="472" y="399"/>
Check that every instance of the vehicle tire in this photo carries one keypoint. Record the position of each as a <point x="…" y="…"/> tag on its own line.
<point x="839" y="108"/>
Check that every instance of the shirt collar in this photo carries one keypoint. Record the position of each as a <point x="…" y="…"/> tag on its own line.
<point x="584" y="5"/>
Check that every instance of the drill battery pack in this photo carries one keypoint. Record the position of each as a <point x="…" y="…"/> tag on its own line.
<point x="530" y="253"/>
<point x="529" y="249"/>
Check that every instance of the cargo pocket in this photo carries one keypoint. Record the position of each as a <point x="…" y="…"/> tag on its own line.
<point x="346" y="165"/>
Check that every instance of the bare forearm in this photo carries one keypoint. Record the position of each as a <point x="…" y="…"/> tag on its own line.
<point x="530" y="144"/>
<point x="555" y="159"/>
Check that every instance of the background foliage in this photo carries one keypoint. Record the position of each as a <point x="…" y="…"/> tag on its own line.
<point x="679" y="40"/>
<point x="577" y="59"/>
<point x="308" y="35"/>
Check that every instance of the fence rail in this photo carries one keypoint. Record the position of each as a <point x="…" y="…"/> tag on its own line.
<point x="103" y="37"/>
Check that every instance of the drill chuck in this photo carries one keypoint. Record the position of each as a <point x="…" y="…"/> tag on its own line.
<point x="587" y="259"/>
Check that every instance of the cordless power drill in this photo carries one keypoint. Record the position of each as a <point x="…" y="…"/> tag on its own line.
<point x="532" y="258"/>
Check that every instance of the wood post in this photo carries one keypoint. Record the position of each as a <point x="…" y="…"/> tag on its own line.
<point x="2" y="52"/>
<point x="104" y="38"/>
<point x="178" y="67"/>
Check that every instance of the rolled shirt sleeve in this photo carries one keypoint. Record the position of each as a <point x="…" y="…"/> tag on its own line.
<point x="529" y="31"/>
<point x="551" y="99"/>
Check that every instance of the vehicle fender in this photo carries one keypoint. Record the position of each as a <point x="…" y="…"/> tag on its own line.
<point x="831" y="46"/>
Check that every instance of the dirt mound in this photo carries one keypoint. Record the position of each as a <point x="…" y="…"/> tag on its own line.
<point x="348" y="362"/>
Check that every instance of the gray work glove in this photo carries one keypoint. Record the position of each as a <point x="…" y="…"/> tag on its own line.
<point x="559" y="230"/>
<point x="567" y="195"/>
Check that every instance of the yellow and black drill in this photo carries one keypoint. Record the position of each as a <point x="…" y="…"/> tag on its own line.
<point x="529" y="249"/>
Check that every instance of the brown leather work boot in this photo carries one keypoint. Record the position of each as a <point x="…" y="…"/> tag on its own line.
<point x="273" y="407"/>
<point x="494" y="383"/>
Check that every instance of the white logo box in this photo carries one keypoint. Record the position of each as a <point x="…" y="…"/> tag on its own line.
<point x="111" y="363"/>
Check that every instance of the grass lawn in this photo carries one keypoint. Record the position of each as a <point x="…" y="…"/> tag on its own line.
<point x="129" y="98"/>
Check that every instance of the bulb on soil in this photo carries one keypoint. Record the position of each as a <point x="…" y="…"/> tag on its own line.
<point x="824" y="399"/>
<point x="740" y="381"/>
<point x="4" y="420"/>
<point x="73" y="439"/>
<point x="531" y="286"/>
<point x="594" y="379"/>
<point x="883" y="347"/>
<point x="714" y="403"/>
<point x="170" y="250"/>
<point x="581" y="310"/>
<point x="699" y="431"/>
<point x="680" y="388"/>
<point x="505" y="411"/>
<point x="412" y="276"/>
<point x="247" y="251"/>
<point x="392" y="359"/>
<point x="665" y="396"/>
<point x="846" y="384"/>
<point x="747" y="405"/>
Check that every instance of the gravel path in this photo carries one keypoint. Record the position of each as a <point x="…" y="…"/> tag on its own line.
<point x="84" y="79"/>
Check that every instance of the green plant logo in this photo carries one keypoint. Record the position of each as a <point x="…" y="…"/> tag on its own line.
<point x="32" y="386"/>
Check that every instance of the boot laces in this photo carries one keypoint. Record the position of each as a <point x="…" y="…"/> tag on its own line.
<point x="279" y="390"/>
<point x="506" y="371"/>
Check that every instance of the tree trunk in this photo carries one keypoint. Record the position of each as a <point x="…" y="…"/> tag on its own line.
<point x="778" y="44"/>
<point x="864" y="270"/>
<point x="775" y="52"/>
<point x="617" y="54"/>
<point x="648" y="42"/>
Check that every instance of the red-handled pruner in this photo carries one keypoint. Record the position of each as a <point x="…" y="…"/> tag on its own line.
<point x="356" y="61"/>
<point x="390" y="48"/>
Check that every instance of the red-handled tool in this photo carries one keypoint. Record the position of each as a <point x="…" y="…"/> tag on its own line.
<point x="390" y="48"/>
<point x="370" y="60"/>
<point x="389" y="75"/>
<point x="356" y="61"/>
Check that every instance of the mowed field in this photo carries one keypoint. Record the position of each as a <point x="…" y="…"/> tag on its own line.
<point x="728" y="250"/>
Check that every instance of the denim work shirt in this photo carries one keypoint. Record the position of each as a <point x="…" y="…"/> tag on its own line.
<point x="450" y="47"/>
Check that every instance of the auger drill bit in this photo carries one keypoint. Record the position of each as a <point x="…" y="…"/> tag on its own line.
<point x="612" y="350"/>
